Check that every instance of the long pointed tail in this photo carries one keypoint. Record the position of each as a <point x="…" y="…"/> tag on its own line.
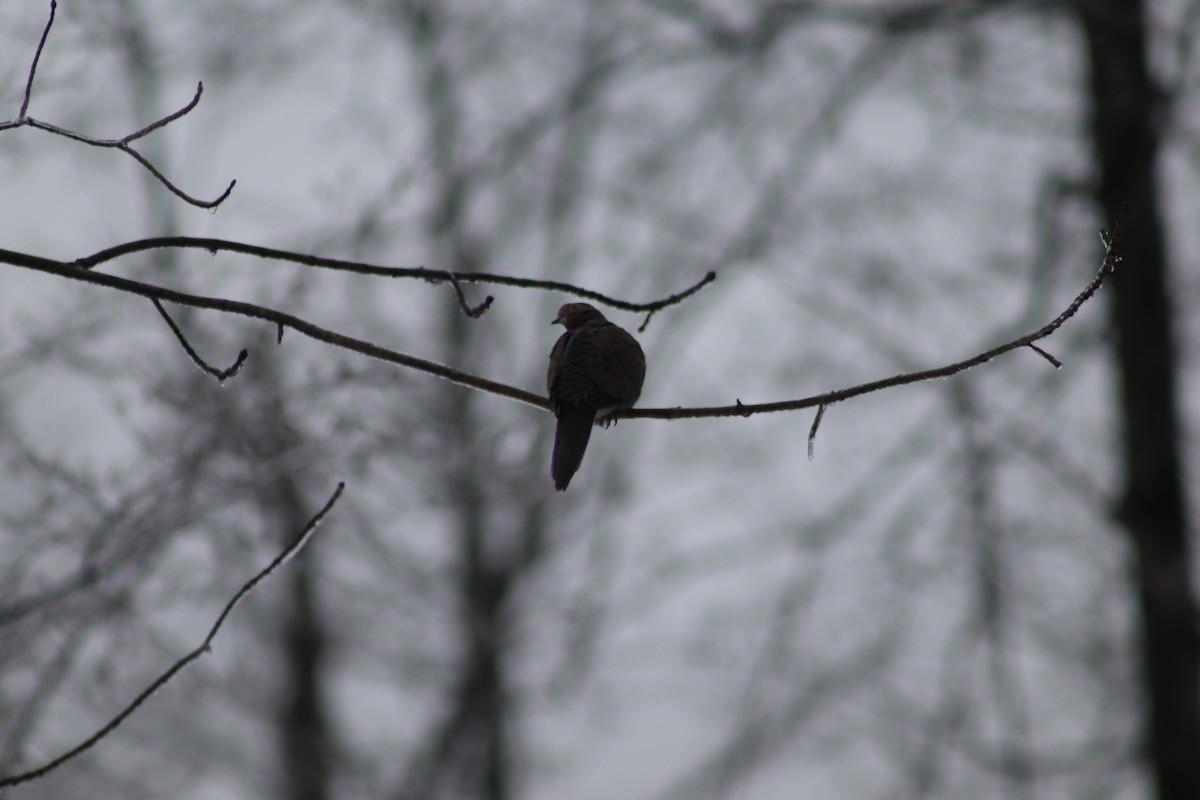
<point x="570" y="441"/>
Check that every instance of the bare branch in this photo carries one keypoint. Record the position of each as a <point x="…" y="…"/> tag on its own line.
<point x="37" y="56"/>
<point x="280" y="319"/>
<point x="432" y="275"/>
<point x="474" y="312"/>
<point x="167" y="120"/>
<point x="205" y="647"/>
<point x="283" y="320"/>
<point x="221" y="375"/>
<point x="812" y="432"/>
<point x="123" y="144"/>
<point x="1053" y="361"/>
<point x="1111" y="243"/>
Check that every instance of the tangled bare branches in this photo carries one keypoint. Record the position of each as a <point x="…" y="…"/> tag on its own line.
<point x="83" y="269"/>
<point x="302" y="538"/>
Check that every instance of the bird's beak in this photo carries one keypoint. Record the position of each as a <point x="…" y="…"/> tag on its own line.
<point x="556" y="320"/>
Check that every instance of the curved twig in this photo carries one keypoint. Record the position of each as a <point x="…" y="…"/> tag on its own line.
<point x="124" y="146"/>
<point x="474" y="312"/>
<point x="357" y="267"/>
<point x="221" y="375"/>
<point x="288" y="552"/>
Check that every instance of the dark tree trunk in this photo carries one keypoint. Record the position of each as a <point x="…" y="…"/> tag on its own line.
<point x="1126" y="124"/>
<point x="303" y="726"/>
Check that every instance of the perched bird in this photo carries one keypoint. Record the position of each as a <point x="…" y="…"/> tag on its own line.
<point x="595" y="367"/>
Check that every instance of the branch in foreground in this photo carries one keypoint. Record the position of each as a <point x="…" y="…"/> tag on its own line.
<point x="221" y="375"/>
<point x="283" y="320"/>
<point x="123" y="144"/>
<point x="205" y="647"/>
<point x="432" y="275"/>
<point x="278" y="318"/>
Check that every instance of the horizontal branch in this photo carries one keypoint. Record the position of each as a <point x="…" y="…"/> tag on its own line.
<point x="278" y="318"/>
<point x="739" y="409"/>
<point x="360" y="268"/>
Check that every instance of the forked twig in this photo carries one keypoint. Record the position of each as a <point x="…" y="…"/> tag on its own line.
<point x="124" y="144"/>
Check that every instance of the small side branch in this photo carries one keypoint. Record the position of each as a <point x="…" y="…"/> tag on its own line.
<point x="474" y="312"/>
<point x="221" y="375"/>
<point x="1054" y="362"/>
<point x="301" y="539"/>
<point x="812" y="432"/>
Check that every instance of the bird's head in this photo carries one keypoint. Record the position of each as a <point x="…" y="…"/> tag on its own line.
<point x="574" y="315"/>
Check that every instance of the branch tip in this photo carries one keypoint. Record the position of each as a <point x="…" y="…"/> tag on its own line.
<point x="221" y="375"/>
<point x="1053" y="361"/>
<point x="474" y="312"/>
<point x="812" y="432"/>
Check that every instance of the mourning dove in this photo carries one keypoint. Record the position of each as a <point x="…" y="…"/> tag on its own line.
<point x="595" y="367"/>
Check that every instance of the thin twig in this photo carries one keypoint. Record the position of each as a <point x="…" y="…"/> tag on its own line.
<point x="175" y="190"/>
<point x="812" y="432"/>
<point x="167" y="120"/>
<point x="37" y="56"/>
<point x="1054" y="361"/>
<point x="474" y="312"/>
<point x="221" y="375"/>
<point x="432" y="275"/>
<point x="282" y="320"/>
<point x="205" y="647"/>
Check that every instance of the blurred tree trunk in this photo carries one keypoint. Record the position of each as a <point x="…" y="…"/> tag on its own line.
<point x="470" y="750"/>
<point x="1127" y="114"/>
<point x="268" y="437"/>
<point x="303" y="723"/>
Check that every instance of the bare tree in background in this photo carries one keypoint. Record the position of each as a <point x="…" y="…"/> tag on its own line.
<point x="1129" y="109"/>
<point x="944" y="617"/>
